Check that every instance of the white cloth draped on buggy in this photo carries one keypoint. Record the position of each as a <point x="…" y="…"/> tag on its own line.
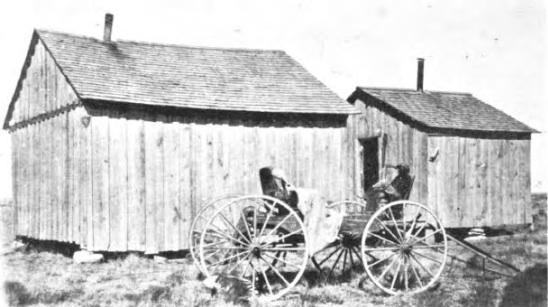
<point x="322" y="224"/>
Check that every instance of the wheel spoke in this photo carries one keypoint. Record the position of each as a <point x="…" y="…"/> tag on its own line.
<point x="358" y="254"/>
<point x="427" y="257"/>
<point x="395" y="223"/>
<point x="381" y="249"/>
<point x="214" y="244"/>
<point x="214" y="267"/>
<point x="266" y="280"/>
<point x="425" y="245"/>
<point x="381" y="260"/>
<point x="283" y="261"/>
<point x="234" y="248"/>
<point x="351" y="258"/>
<point x="282" y="249"/>
<point x="276" y="271"/>
<point x="244" y="218"/>
<point x="239" y="262"/>
<point x="330" y="255"/>
<point x="246" y="267"/>
<point x="421" y="265"/>
<point x="213" y="253"/>
<point x="405" y="274"/>
<point x="344" y="259"/>
<point x="254" y="222"/>
<point x="403" y="218"/>
<point x="414" y="223"/>
<point x="387" y="229"/>
<point x="222" y="235"/>
<point x="388" y="268"/>
<point x="414" y="235"/>
<point x="278" y="225"/>
<point x="266" y="220"/>
<point x="235" y="228"/>
<point x="284" y="237"/>
<point x="382" y="238"/>
<point x="254" y="277"/>
<point x="395" y="277"/>
<point x="335" y="264"/>
<point x="229" y="258"/>
<point x="426" y="237"/>
<point x="417" y="276"/>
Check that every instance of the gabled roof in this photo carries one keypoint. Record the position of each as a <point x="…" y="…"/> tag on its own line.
<point x="442" y="110"/>
<point x="189" y="77"/>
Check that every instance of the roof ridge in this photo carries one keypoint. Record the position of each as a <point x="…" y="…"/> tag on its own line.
<point x="395" y="89"/>
<point x="163" y="44"/>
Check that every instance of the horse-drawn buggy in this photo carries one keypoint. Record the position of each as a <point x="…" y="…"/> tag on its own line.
<point x="268" y="240"/>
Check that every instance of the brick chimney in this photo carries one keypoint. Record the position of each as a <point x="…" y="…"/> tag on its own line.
<point x="109" y="18"/>
<point x="420" y="75"/>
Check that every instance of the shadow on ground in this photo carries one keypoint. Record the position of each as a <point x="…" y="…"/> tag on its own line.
<point x="527" y="289"/>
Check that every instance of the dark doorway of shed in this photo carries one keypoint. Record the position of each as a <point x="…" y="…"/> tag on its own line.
<point x="370" y="162"/>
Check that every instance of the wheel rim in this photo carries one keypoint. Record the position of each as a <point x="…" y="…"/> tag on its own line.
<point x="404" y="248"/>
<point x="198" y="224"/>
<point x="344" y="254"/>
<point x="267" y="251"/>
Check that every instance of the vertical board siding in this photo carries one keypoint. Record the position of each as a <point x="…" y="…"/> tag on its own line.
<point x="118" y="182"/>
<point x="150" y="154"/>
<point x="481" y="185"/>
<point x="100" y="180"/>
<point x="185" y="201"/>
<point x="136" y="182"/>
<point x="43" y="90"/>
<point x="172" y="153"/>
<point x="473" y="182"/>
<point x="526" y="181"/>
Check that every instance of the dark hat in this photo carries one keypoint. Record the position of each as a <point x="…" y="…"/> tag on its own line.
<point x="403" y="168"/>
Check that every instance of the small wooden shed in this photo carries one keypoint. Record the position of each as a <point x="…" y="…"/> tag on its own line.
<point x="471" y="161"/>
<point x="116" y="144"/>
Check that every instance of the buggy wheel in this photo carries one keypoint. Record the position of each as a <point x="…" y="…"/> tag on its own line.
<point x="404" y="248"/>
<point x="343" y="254"/>
<point x="199" y="222"/>
<point x="246" y="238"/>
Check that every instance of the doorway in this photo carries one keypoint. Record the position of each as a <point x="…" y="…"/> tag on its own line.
<point x="370" y="162"/>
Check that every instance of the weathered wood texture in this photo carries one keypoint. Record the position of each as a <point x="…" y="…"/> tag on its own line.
<point x="44" y="91"/>
<point x="110" y="179"/>
<point x="43" y="138"/>
<point x="152" y="172"/>
<point x="480" y="182"/>
<point x="471" y="182"/>
<point x="403" y="145"/>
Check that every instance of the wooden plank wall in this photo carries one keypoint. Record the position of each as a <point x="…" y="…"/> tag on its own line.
<point x="116" y="181"/>
<point x="404" y="145"/>
<point x="45" y="158"/>
<point x="43" y="90"/>
<point x="480" y="182"/>
<point x="174" y="165"/>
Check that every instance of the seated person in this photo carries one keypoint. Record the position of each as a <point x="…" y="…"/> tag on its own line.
<point x="383" y="192"/>
<point x="274" y="184"/>
<point x="322" y="224"/>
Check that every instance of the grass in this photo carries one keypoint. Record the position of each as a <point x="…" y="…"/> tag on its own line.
<point x="37" y="278"/>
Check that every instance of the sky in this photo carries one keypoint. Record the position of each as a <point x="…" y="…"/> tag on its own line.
<point x="494" y="49"/>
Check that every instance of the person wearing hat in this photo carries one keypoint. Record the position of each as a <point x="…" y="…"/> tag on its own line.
<point x="398" y="188"/>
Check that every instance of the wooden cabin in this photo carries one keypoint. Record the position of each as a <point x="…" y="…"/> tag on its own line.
<point x="117" y="144"/>
<point x="471" y="161"/>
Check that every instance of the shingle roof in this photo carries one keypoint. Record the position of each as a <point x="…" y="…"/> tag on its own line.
<point x="190" y="77"/>
<point x="446" y="110"/>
